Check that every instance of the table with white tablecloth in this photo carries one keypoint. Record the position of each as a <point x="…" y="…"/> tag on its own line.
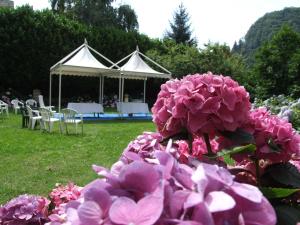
<point x="86" y="108"/>
<point x="132" y="107"/>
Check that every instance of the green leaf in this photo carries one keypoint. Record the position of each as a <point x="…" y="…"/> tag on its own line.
<point x="239" y="137"/>
<point x="240" y="149"/>
<point x="228" y="160"/>
<point x="283" y="173"/>
<point x="273" y="146"/>
<point x="287" y="215"/>
<point x="270" y="192"/>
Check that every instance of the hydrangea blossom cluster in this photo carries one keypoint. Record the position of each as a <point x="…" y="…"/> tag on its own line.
<point x="25" y="209"/>
<point x="283" y="106"/>
<point x="147" y="143"/>
<point x="166" y="192"/>
<point x="200" y="104"/>
<point x="63" y="194"/>
<point x="275" y="138"/>
<point x="144" y="145"/>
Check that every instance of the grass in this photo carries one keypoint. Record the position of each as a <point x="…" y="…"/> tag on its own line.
<point x="34" y="161"/>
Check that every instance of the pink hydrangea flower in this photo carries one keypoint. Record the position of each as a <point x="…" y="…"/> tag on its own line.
<point x="144" y="145"/>
<point x="296" y="163"/>
<point x="166" y="192"/>
<point x="63" y="194"/>
<point x="199" y="148"/>
<point x="201" y="104"/>
<point x="275" y="138"/>
<point x="25" y="209"/>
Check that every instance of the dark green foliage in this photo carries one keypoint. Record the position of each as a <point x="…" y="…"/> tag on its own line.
<point x="98" y="13"/>
<point x="180" y="28"/>
<point x="219" y="60"/>
<point x="183" y="59"/>
<point x="127" y="18"/>
<point x="61" y="6"/>
<point x="180" y="59"/>
<point x="287" y="215"/>
<point x="277" y="66"/>
<point x="33" y="41"/>
<point x="239" y="137"/>
<point x="281" y="175"/>
<point x="263" y="30"/>
<point x="277" y="192"/>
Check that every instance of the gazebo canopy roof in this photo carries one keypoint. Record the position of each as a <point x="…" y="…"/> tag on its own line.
<point x="137" y="68"/>
<point x="81" y="62"/>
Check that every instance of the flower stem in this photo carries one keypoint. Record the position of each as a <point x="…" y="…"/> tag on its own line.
<point x="190" y="142"/>
<point x="257" y="172"/>
<point x="208" y="146"/>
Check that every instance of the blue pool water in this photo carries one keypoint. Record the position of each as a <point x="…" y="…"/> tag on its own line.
<point x="115" y="116"/>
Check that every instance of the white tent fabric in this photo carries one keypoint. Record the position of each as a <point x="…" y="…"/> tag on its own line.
<point x="81" y="62"/>
<point x="137" y="68"/>
<point x="84" y="58"/>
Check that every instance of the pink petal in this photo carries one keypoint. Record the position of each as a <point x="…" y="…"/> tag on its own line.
<point x="123" y="211"/>
<point x="219" y="201"/>
<point x="100" y="196"/>
<point x="176" y="203"/>
<point x="149" y="210"/>
<point x="193" y="199"/>
<point x="90" y="213"/>
<point x="247" y="191"/>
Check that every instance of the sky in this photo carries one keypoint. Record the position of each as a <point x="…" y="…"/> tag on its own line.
<point x="222" y="21"/>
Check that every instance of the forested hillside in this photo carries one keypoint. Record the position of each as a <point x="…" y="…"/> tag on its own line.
<point x="264" y="28"/>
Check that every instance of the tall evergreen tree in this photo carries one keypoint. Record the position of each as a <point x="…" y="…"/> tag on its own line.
<point x="61" y="6"/>
<point x="127" y="18"/>
<point x="181" y="27"/>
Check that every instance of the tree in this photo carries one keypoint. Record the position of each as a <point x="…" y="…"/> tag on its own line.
<point x="264" y="28"/>
<point x="33" y="41"/>
<point x="127" y="18"/>
<point x="180" y="59"/>
<point x="96" y="12"/>
<point x="61" y="6"/>
<point x="220" y="60"/>
<point x="277" y="67"/>
<point x="181" y="27"/>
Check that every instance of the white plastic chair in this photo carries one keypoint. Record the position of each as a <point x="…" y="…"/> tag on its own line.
<point x="33" y="118"/>
<point x="3" y="107"/>
<point x="31" y="102"/>
<point x="15" y="103"/>
<point x="69" y="117"/>
<point x="42" y="104"/>
<point x="48" y="120"/>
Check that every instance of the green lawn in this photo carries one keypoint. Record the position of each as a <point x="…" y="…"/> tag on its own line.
<point x="33" y="161"/>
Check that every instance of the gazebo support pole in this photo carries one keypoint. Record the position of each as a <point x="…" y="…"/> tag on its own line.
<point x="145" y="90"/>
<point x="120" y="84"/>
<point x="100" y="91"/>
<point x="123" y="81"/>
<point x="50" y="89"/>
<point x="59" y="93"/>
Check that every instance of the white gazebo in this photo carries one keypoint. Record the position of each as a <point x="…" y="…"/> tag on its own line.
<point x="137" y="68"/>
<point x="81" y="62"/>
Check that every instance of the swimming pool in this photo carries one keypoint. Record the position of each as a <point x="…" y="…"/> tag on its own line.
<point x="114" y="116"/>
